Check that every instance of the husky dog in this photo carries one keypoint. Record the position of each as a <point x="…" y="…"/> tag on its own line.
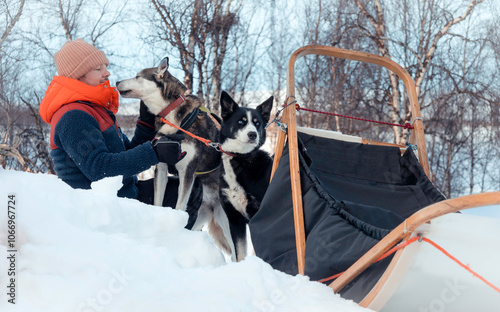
<point x="164" y="96"/>
<point x="246" y="169"/>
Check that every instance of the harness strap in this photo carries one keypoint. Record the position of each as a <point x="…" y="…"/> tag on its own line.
<point x="209" y="114"/>
<point x="172" y="106"/>
<point x="189" y="119"/>
<point x="185" y="124"/>
<point x="208" y="171"/>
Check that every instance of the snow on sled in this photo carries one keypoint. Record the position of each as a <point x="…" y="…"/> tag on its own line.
<point x="368" y="221"/>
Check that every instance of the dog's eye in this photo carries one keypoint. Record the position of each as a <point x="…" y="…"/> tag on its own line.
<point x="256" y="122"/>
<point x="241" y="122"/>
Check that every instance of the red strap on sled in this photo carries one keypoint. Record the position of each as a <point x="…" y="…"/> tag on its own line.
<point x="405" y="126"/>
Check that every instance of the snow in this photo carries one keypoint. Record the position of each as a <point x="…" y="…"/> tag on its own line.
<point x="88" y="250"/>
<point x="486" y="211"/>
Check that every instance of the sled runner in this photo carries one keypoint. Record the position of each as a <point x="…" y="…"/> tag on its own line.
<point x="368" y="221"/>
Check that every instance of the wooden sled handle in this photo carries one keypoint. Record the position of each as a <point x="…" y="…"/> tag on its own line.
<point x="289" y="112"/>
<point x="403" y="230"/>
<point x="290" y="120"/>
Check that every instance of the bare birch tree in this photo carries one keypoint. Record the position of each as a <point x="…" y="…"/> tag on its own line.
<point x="199" y="32"/>
<point x="10" y="19"/>
<point x="433" y="28"/>
<point x="442" y="46"/>
<point x="11" y="12"/>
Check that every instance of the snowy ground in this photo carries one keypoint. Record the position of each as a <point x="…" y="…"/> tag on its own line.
<point x="86" y="250"/>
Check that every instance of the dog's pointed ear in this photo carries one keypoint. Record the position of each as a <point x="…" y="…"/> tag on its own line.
<point x="227" y="104"/>
<point x="162" y="67"/>
<point x="265" y="108"/>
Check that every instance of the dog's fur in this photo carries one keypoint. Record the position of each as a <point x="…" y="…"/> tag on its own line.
<point x="246" y="172"/>
<point x="157" y="88"/>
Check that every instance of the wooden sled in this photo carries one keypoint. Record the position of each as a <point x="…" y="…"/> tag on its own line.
<point x="406" y="284"/>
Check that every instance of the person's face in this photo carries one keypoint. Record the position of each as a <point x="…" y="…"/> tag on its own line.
<point x="96" y="76"/>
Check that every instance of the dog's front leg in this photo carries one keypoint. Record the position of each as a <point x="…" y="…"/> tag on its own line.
<point x="186" y="181"/>
<point x="238" y="230"/>
<point x="160" y="183"/>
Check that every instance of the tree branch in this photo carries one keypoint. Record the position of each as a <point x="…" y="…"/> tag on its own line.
<point x="12" y="23"/>
<point x="9" y="151"/>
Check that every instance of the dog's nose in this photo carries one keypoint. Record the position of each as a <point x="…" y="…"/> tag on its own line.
<point x="252" y="135"/>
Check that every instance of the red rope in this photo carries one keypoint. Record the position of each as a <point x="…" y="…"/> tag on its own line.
<point x="414" y="239"/>
<point x="461" y="264"/>
<point x="406" y="125"/>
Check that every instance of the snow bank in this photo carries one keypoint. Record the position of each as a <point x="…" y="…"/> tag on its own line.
<point x="87" y="250"/>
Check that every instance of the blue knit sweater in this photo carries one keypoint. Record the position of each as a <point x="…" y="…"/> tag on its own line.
<point x="85" y="151"/>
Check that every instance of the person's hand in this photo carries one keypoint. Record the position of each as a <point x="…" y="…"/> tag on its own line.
<point x="168" y="148"/>
<point x="145" y="116"/>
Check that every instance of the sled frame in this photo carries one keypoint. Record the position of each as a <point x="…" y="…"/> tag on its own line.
<point x="411" y="224"/>
<point x="289" y="118"/>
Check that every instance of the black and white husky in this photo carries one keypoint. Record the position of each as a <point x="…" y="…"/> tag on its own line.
<point x="246" y="168"/>
<point x="164" y="95"/>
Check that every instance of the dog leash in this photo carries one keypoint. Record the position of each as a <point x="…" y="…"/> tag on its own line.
<point x="207" y="142"/>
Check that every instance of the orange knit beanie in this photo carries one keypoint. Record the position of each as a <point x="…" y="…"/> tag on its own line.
<point x="76" y="58"/>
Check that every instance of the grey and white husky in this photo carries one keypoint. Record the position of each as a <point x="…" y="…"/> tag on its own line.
<point x="164" y="95"/>
<point x="246" y="168"/>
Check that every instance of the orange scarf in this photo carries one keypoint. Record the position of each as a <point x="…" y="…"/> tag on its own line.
<point x="63" y="90"/>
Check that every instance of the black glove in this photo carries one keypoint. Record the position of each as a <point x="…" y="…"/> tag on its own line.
<point x="168" y="148"/>
<point x="145" y="116"/>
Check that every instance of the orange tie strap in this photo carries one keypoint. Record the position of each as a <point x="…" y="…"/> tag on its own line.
<point x="207" y="142"/>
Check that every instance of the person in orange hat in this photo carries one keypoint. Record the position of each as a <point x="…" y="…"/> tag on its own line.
<point x="86" y="141"/>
